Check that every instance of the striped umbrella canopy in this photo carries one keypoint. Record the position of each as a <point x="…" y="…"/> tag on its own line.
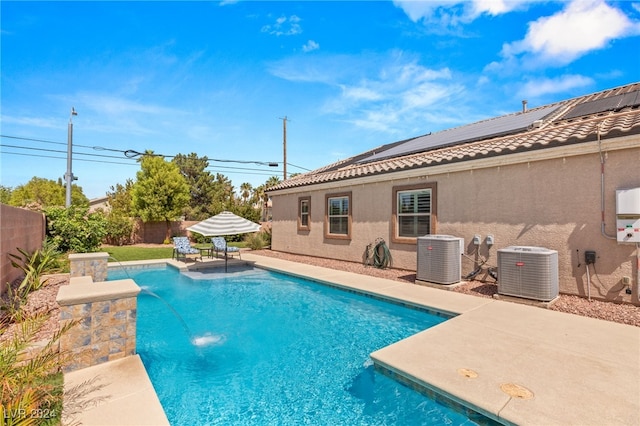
<point x="225" y="223"/>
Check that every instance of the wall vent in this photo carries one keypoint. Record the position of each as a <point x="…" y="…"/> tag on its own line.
<point x="439" y="259"/>
<point x="528" y="272"/>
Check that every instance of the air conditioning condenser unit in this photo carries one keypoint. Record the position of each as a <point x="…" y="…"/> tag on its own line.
<point x="439" y="259"/>
<point x="528" y="272"/>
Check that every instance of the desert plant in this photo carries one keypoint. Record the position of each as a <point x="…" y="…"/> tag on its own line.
<point x="255" y="241"/>
<point x="266" y="235"/>
<point x="34" y="265"/>
<point x="12" y="302"/>
<point x="30" y="381"/>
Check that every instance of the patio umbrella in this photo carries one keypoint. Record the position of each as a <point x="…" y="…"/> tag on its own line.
<point x="225" y="223"/>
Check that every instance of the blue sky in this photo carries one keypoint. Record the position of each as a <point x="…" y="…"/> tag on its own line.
<point x="216" y="78"/>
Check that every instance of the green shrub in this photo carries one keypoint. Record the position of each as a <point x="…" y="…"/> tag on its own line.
<point x="119" y="229"/>
<point x="199" y="238"/>
<point x="74" y="229"/>
<point x="266" y="235"/>
<point x="255" y="241"/>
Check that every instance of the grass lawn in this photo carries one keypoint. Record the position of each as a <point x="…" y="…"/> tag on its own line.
<point x="127" y="253"/>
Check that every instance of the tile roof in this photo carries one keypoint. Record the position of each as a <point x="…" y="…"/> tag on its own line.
<point x="565" y="125"/>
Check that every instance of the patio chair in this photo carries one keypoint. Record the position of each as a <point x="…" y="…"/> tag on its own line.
<point x="220" y="246"/>
<point x="182" y="248"/>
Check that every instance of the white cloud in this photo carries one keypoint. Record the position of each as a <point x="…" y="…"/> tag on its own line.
<point x="284" y="26"/>
<point x="390" y="92"/>
<point x="310" y="46"/>
<point x="400" y="93"/>
<point x="539" y="87"/>
<point x="493" y="7"/>
<point x="449" y="14"/>
<point x="45" y="123"/>
<point x="583" y="26"/>
<point x="328" y="69"/>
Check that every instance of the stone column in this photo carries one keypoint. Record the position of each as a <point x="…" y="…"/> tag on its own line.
<point x="106" y="312"/>
<point x="89" y="264"/>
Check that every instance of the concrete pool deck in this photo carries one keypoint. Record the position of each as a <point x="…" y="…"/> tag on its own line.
<point x="513" y="363"/>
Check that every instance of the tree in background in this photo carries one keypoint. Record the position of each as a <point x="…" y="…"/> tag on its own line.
<point x="202" y="186"/>
<point x="260" y="195"/>
<point x="223" y="198"/>
<point x="119" y="198"/>
<point x="119" y="220"/>
<point x="39" y="193"/>
<point x="246" y="192"/>
<point x="5" y="194"/>
<point x="160" y="191"/>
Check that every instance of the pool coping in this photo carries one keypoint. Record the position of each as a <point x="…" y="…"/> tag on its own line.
<point x="513" y="363"/>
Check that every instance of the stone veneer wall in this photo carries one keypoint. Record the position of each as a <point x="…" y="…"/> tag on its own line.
<point x="93" y="265"/>
<point x="106" y="314"/>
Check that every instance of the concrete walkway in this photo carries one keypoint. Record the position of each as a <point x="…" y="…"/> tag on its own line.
<point x="114" y="393"/>
<point x="513" y="363"/>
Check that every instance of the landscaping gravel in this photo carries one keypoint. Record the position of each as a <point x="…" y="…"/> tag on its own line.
<point x="623" y="313"/>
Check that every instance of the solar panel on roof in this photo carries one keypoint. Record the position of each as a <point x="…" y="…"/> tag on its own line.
<point x="610" y="103"/>
<point x="472" y="132"/>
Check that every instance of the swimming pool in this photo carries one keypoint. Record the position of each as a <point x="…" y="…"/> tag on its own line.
<point x="274" y="349"/>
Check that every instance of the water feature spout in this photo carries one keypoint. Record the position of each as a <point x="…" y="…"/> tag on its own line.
<point x="205" y="340"/>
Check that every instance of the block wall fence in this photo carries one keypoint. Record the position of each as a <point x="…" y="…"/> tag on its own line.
<point x="19" y="228"/>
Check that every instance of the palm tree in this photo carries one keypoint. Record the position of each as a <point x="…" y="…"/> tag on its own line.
<point x="245" y="191"/>
<point x="263" y="197"/>
<point x="272" y="181"/>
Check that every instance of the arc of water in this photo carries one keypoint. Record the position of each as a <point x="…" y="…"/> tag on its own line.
<point x="175" y="313"/>
<point x="198" y="341"/>
<point x="121" y="265"/>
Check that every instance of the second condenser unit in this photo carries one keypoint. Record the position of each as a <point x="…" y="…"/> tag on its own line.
<point x="529" y="272"/>
<point x="439" y="259"/>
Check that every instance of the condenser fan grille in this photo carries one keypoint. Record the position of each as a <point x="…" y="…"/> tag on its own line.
<point x="528" y="272"/>
<point x="439" y="259"/>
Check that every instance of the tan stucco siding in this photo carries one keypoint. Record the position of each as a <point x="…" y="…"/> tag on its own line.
<point x="553" y="203"/>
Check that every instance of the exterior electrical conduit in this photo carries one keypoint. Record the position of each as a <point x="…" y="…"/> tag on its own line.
<point x="602" y="161"/>
<point x="638" y="270"/>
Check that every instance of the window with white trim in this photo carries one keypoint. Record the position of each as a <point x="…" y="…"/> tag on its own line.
<point x="413" y="211"/>
<point x="338" y="216"/>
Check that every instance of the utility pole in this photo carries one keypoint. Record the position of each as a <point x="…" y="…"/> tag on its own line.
<point x="284" y="145"/>
<point x="69" y="178"/>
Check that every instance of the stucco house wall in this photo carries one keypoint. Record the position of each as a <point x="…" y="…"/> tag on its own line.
<point x="548" y="198"/>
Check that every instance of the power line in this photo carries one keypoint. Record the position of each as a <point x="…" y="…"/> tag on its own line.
<point x="64" y="158"/>
<point x="222" y="169"/>
<point x="41" y="140"/>
<point x="131" y="154"/>
<point x="56" y="150"/>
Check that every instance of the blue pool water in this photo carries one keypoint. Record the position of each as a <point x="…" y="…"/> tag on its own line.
<point x="274" y="349"/>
